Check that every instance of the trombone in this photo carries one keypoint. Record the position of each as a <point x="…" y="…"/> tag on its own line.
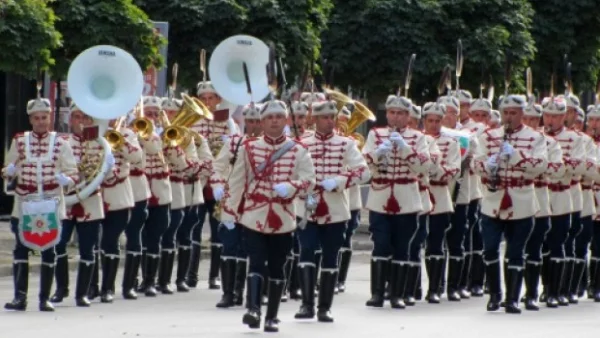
<point x="142" y="125"/>
<point x="114" y="136"/>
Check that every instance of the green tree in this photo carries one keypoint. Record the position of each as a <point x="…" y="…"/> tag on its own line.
<point x="86" y="23"/>
<point x="27" y="36"/>
<point x="566" y="27"/>
<point x="372" y="41"/>
<point x="294" y="27"/>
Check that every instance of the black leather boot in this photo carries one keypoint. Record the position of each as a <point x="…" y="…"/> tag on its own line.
<point x="252" y="316"/>
<point x="555" y="275"/>
<point x="578" y="268"/>
<point x="477" y="275"/>
<point x="584" y="284"/>
<point x="465" y="277"/>
<point x="442" y="286"/>
<point x="139" y="286"/>
<point x="596" y="279"/>
<point x="150" y="276"/>
<point x="307" y="284"/>
<point x="492" y="273"/>
<point x="411" y="285"/>
<point x="398" y="284"/>
<point x="591" y="291"/>
<point x="318" y="265"/>
<point x="110" y="266"/>
<point x="419" y="288"/>
<point x="167" y="260"/>
<point x="215" y="264"/>
<point x="94" y="289"/>
<point x="378" y="277"/>
<point x="241" y="267"/>
<point x="532" y="280"/>
<point x="294" y="287"/>
<point x="132" y="265"/>
<point x="434" y="267"/>
<point x="545" y="276"/>
<point x="287" y="270"/>
<point x="514" y="281"/>
<point x="274" y="299"/>
<point x="345" y="258"/>
<point x="183" y="265"/>
<point x="46" y="278"/>
<point x="454" y="273"/>
<point x="565" y="282"/>
<point x="61" y="273"/>
<point x="21" y="282"/>
<point x="84" y="277"/>
<point x="227" y="282"/>
<point x="326" y="292"/>
<point x="192" y="275"/>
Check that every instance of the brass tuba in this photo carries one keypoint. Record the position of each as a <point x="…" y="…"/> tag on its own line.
<point x="359" y="115"/>
<point x="191" y="111"/>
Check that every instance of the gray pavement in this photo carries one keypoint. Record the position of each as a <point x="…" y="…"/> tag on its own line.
<point x="194" y="315"/>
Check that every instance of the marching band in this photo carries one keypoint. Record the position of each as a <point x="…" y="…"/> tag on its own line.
<point x="450" y="180"/>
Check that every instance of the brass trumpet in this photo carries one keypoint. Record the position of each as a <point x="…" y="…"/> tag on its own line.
<point x="142" y="125"/>
<point x="114" y="136"/>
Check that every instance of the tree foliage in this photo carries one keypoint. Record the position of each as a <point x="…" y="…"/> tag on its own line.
<point x="566" y="27"/>
<point x="86" y="23"/>
<point x="293" y="25"/>
<point x="27" y="36"/>
<point x="371" y="49"/>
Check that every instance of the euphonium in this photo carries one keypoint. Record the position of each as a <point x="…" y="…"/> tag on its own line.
<point x="359" y="115"/>
<point x="191" y="112"/>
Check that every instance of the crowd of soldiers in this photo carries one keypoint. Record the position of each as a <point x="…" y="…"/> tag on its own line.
<point x="282" y="200"/>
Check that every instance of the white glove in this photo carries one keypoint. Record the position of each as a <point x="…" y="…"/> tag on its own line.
<point x="63" y="180"/>
<point x="218" y="193"/>
<point x="328" y="184"/>
<point x="229" y="225"/>
<point x="159" y="130"/>
<point x="398" y="140"/>
<point x="507" y="149"/>
<point x="110" y="159"/>
<point x="11" y="169"/>
<point x="383" y="148"/>
<point x="224" y="138"/>
<point x="282" y="189"/>
<point x="492" y="162"/>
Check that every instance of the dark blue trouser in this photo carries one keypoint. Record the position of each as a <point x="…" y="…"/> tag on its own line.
<point x="113" y="225"/>
<point x="156" y="225"/>
<point x="574" y="230"/>
<point x="190" y="221"/>
<point x="233" y="242"/>
<point x="133" y="231"/>
<point x="416" y="245"/>
<point x="351" y="227"/>
<point x="455" y="236"/>
<point x="557" y="236"/>
<point x="168" y="237"/>
<point x="473" y="240"/>
<point x="438" y="224"/>
<point x="595" y="247"/>
<point x="583" y="240"/>
<point x="87" y="236"/>
<point x="533" y="251"/>
<point x="207" y="209"/>
<point x="516" y="233"/>
<point x="268" y="249"/>
<point x="392" y="235"/>
<point x="328" y="237"/>
<point x="21" y="252"/>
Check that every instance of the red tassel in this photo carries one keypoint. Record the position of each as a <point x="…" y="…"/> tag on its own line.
<point x="322" y="209"/>
<point x="506" y="201"/>
<point x="106" y="206"/>
<point x="77" y="210"/>
<point x="153" y="201"/>
<point x="392" y="205"/>
<point x="274" y="221"/>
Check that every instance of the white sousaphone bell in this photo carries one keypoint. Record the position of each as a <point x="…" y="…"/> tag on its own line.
<point x="226" y="69"/>
<point x="105" y="82"/>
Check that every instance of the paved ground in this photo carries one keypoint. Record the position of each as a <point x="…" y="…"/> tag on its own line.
<point x="194" y="315"/>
